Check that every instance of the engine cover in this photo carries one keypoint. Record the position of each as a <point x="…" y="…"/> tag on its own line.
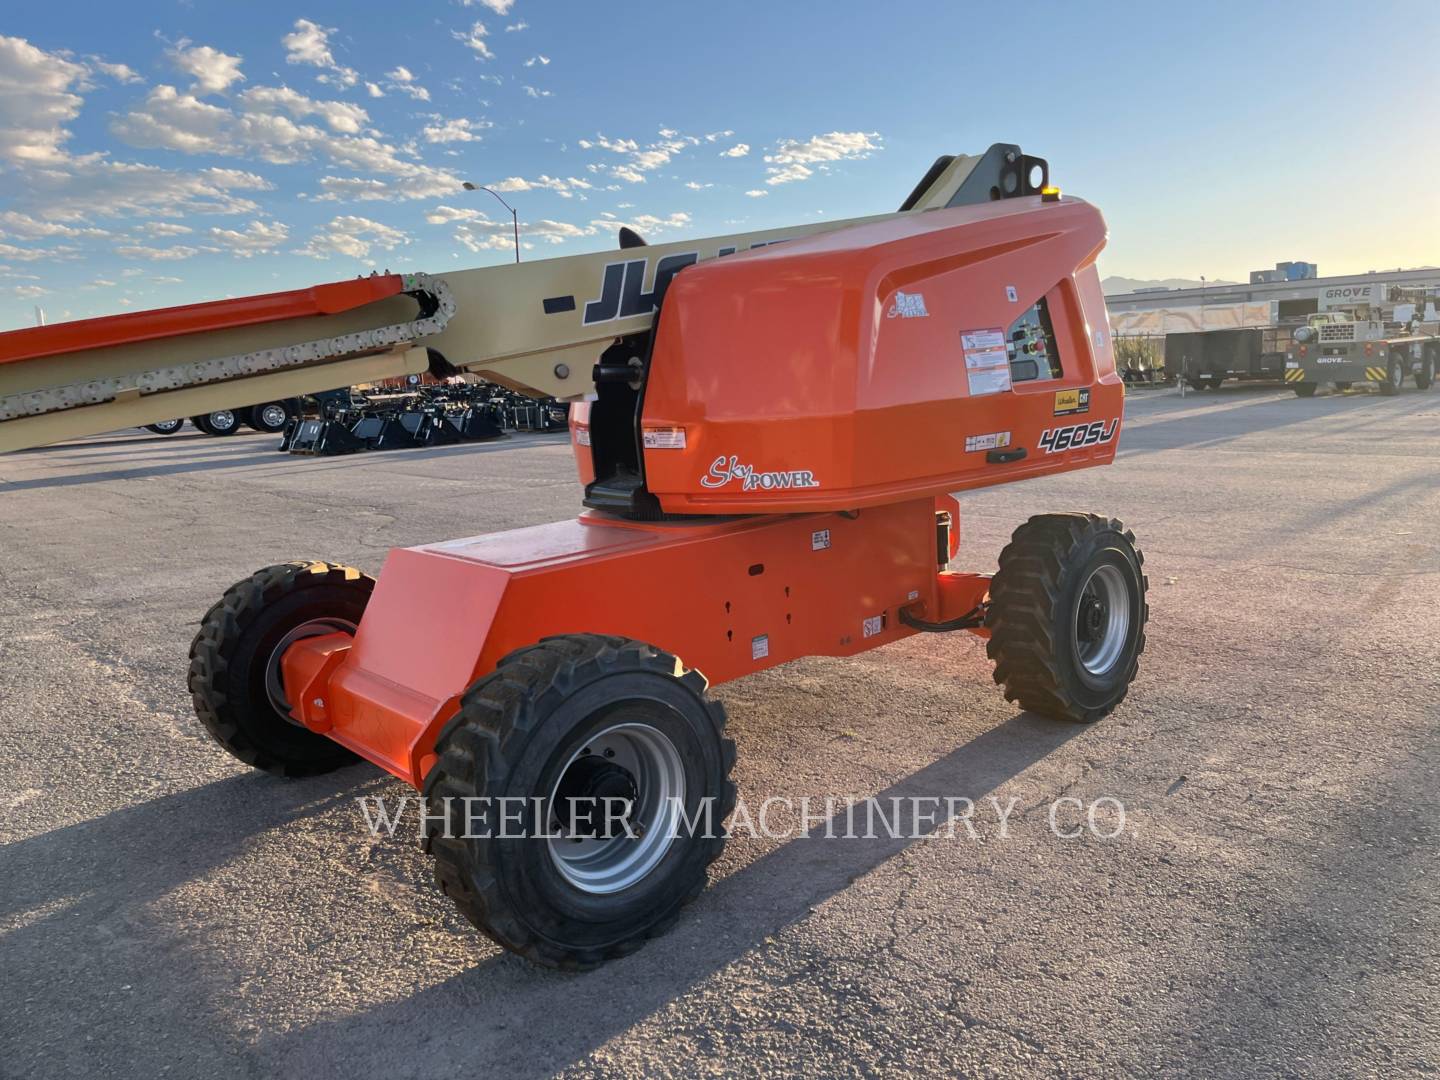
<point x="919" y="355"/>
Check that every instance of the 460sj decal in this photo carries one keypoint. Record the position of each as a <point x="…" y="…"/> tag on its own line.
<point x="1076" y="436"/>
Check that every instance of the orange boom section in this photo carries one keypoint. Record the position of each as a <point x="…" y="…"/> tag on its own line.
<point x="875" y="364"/>
<point x="33" y="343"/>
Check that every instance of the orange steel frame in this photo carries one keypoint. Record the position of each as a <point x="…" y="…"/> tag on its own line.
<point x="877" y="407"/>
<point x="731" y="597"/>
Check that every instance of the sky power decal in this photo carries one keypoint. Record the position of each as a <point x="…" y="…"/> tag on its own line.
<point x="723" y="470"/>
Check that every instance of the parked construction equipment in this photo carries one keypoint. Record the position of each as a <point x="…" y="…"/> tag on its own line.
<point x="768" y="444"/>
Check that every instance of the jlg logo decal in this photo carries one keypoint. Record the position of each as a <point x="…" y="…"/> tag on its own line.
<point x="723" y="470"/>
<point x="1078" y="435"/>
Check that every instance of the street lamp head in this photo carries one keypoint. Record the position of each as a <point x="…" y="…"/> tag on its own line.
<point x="468" y="186"/>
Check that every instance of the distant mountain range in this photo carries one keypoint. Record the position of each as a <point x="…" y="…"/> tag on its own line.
<point x="1114" y="286"/>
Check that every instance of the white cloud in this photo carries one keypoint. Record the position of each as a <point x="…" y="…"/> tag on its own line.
<point x="757" y="193"/>
<point x="618" y="146"/>
<point x="499" y="7"/>
<point x="174" y="121"/>
<point x="167" y="280"/>
<point x="35" y="102"/>
<point x="626" y="173"/>
<point x="418" y="182"/>
<point x="534" y="93"/>
<point x="212" y="70"/>
<point x="738" y="150"/>
<point x="352" y="237"/>
<point x="29" y="292"/>
<point x="474" y="39"/>
<point x="25" y="227"/>
<point x="543" y="61"/>
<point x="140" y="251"/>
<point x="339" y="115"/>
<point x="374" y="90"/>
<point x="403" y="80"/>
<point x="789" y="174"/>
<point x="19" y="254"/>
<point x="448" y="131"/>
<point x="792" y="158"/>
<point x="514" y="27"/>
<point x="563" y="186"/>
<point x="166" y="228"/>
<point x="309" y="44"/>
<point x="647" y="224"/>
<point x="121" y="73"/>
<point x="714" y="135"/>
<point x="94" y="187"/>
<point x="694" y="186"/>
<point x="258" y="238"/>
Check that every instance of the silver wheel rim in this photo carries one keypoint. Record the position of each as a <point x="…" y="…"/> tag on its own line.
<point x="169" y="425"/>
<point x="1397" y="374"/>
<point x="223" y="420"/>
<point x="1102" y="619"/>
<point x="607" y="864"/>
<point x="275" y="677"/>
<point x="273" y="416"/>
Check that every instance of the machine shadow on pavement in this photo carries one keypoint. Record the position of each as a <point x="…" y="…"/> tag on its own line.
<point x="734" y="916"/>
<point x="221" y="462"/>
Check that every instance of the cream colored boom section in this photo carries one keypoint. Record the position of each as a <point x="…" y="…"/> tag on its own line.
<point x="538" y="327"/>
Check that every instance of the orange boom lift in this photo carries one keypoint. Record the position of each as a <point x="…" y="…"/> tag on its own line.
<point x="768" y="470"/>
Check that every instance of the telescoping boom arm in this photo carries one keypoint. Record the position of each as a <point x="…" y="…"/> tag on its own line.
<point x="535" y="327"/>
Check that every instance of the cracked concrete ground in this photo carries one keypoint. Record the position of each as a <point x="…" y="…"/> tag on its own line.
<point x="1269" y="910"/>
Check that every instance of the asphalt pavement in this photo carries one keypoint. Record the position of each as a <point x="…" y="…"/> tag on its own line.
<point x="1266" y="907"/>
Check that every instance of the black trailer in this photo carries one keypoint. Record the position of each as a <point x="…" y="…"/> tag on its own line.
<point x="1206" y="358"/>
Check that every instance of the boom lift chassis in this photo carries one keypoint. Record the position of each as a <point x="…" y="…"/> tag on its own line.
<point x="768" y="446"/>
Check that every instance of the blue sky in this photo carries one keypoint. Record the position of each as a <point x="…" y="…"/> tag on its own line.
<point x="159" y="152"/>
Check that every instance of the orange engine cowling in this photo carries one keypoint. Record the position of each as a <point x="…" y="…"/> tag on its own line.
<point x="924" y="354"/>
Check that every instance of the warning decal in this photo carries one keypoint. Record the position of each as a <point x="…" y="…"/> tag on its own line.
<point x="987" y="363"/>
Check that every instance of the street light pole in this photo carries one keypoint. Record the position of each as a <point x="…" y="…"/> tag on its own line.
<point x="514" y="218"/>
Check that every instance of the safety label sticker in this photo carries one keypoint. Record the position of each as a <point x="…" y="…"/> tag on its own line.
<point x="987" y="363"/>
<point x="1068" y="402"/>
<point x="760" y="647"/>
<point x="993" y="441"/>
<point x="820" y="540"/>
<point x="664" y="438"/>
<point x="873" y="625"/>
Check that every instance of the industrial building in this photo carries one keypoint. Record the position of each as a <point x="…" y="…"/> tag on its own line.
<point x="1264" y="302"/>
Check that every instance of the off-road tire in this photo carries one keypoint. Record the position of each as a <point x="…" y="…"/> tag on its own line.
<point x="166" y="427"/>
<point x="515" y="731"/>
<point x="1394" y="376"/>
<point x="1035" y="600"/>
<point x="1342" y="385"/>
<point x="1305" y="389"/>
<point x="230" y="654"/>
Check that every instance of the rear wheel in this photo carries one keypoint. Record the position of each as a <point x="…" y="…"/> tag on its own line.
<point x="219" y="422"/>
<point x="603" y="751"/>
<point x="1067" y="615"/>
<point x="1213" y="384"/>
<point x="1342" y="386"/>
<point x="1394" y="376"/>
<point x="1305" y="389"/>
<point x="235" y="677"/>
<point x="166" y="427"/>
<point x="1425" y="377"/>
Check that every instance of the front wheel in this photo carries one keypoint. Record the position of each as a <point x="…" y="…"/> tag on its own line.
<point x="1305" y="389"/>
<point x="1342" y="386"/>
<point x="579" y="798"/>
<point x="166" y="427"/>
<point x="1067" y="615"/>
<point x="235" y="676"/>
